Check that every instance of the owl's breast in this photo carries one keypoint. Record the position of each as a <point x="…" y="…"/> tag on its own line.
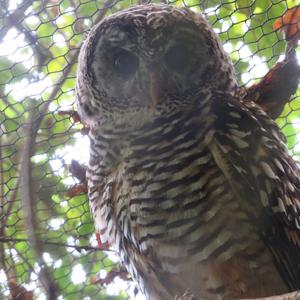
<point x="170" y="211"/>
<point x="175" y="213"/>
<point x="166" y="198"/>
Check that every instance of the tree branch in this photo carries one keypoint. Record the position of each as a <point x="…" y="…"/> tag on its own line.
<point x="289" y="296"/>
<point x="2" y="230"/>
<point x="29" y="203"/>
<point x="10" y="274"/>
<point x="26" y="188"/>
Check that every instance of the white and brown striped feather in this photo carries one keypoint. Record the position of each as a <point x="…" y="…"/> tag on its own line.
<point x="197" y="209"/>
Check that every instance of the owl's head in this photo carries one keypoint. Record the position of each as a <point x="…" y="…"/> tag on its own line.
<point x="148" y="61"/>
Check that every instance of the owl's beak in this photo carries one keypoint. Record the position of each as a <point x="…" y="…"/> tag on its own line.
<point x="154" y="90"/>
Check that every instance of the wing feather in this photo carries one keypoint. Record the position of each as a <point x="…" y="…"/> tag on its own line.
<point x="250" y="150"/>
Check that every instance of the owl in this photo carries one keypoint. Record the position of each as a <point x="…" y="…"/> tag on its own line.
<point x="190" y="184"/>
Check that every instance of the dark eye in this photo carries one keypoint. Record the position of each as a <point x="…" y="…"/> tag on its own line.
<point x="177" y="58"/>
<point x="125" y="63"/>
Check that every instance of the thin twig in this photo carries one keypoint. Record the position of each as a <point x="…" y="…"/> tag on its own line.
<point x="16" y="19"/>
<point x="2" y="230"/>
<point x="1" y="184"/>
<point x="56" y="244"/>
<point x="6" y="101"/>
<point x="17" y="14"/>
<point x="10" y="202"/>
<point x="25" y="260"/>
<point x="102" y="12"/>
<point x="43" y="54"/>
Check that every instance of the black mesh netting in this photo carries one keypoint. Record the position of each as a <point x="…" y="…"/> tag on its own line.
<point x="48" y="247"/>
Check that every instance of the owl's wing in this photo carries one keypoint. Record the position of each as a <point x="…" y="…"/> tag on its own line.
<point x="250" y="150"/>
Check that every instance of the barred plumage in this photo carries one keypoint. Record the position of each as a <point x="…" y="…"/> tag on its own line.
<point x="192" y="186"/>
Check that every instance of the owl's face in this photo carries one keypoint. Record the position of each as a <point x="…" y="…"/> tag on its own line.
<point x="148" y="61"/>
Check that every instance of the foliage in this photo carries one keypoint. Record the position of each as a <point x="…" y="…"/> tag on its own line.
<point x="39" y="42"/>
